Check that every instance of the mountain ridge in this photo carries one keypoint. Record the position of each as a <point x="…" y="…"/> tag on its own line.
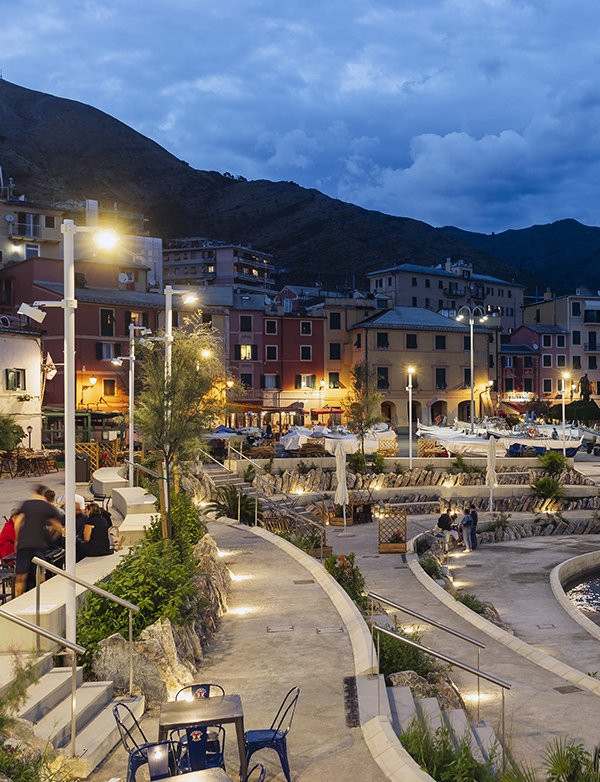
<point x="58" y="149"/>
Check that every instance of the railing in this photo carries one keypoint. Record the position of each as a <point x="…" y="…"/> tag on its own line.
<point x="74" y="648"/>
<point x="287" y="514"/>
<point x="131" y="608"/>
<point x="447" y="659"/>
<point x="376" y="598"/>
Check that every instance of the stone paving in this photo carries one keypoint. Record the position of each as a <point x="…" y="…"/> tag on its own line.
<point x="245" y="657"/>
<point x="537" y="712"/>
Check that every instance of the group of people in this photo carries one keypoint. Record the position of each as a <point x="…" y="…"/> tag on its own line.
<point x="36" y="529"/>
<point x="465" y="530"/>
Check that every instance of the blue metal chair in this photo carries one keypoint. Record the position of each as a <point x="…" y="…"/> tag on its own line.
<point x="161" y="757"/>
<point x="261" y="773"/>
<point x="276" y="736"/>
<point x="196" y="748"/>
<point x="130" y="739"/>
<point x="193" y="691"/>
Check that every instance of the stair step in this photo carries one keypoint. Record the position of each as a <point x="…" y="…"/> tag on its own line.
<point x="402" y="706"/>
<point x="47" y="692"/>
<point x="55" y="726"/>
<point x="41" y="666"/>
<point x="461" y="731"/>
<point x="101" y="735"/>
<point x="430" y="711"/>
<point x="490" y="746"/>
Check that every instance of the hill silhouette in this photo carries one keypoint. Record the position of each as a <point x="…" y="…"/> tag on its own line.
<point x="58" y="149"/>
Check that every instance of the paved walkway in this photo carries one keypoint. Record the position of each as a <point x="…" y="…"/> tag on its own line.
<point x="515" y="577"/>
<point x="262" y="665"/>
<point x="536" y="711"/>
<point x="13" y="491"/>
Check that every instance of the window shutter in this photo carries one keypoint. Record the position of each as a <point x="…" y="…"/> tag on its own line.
<point x="277" y="381"/>
<point x="254" y="352"/>
<point x="313" y="381"/>
<point x="298" y="381"/>
<point x="145" y="320"/>
<point x="127" y="322"/>
<point x="262" y="381"/>
<point x="99" y="351"/>
<point x="237" y="352"/>
<point x="117" y="350"/>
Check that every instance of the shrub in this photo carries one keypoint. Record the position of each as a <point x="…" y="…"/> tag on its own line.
<point x="185" y="521"/>
<point x="268" y="467"/>
<point x="307" y="539"/>
<point x="398" y="468"/>
<point x="249" y="473"/>
<point x="459" y="465"/>
<point x="471" y="601"/>
<point x="225" y="503"/>
<point x="348" y="576"/>
<point x="304" y="468"/>
<point x="423" y="544"/>
<point x="11" y="433"/>
<point x="157" y="576"/>
<point x="356" y="462"/>
<point x="378" y="463"/>
<point x="431" y="566"/>
<point x="548" y="488"/>
<point x="395" y="656"/>
<point x="553" y="463"/>
<point x="499" y="521"/>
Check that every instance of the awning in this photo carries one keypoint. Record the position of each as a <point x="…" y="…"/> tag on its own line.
<point x="518" y="407"/>
<point x="328" y="411"/>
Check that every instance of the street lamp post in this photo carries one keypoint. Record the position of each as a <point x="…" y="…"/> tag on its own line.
<point x="131" y="397"/>
<point x="565" y="376"/>
<point x="409" y="388"/>
<point x="472" y="313"/>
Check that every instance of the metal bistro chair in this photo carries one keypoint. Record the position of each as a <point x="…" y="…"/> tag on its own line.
<point x="191" y="692"/>
<point x="195" y="753"/>
<point x="261" y="773"/>
<point x="276" y="736"/>
<point x="137" y="750"/>
<point x="161" y="758"/>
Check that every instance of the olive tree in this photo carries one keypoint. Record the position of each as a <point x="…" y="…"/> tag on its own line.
<point x="363" y="403"/>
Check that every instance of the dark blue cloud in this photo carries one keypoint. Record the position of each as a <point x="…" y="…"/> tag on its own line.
<point x="480" y="113"/>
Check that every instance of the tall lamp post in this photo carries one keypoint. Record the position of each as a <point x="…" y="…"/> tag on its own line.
<point x="472" y="313"/>
<point x="409" y="388"/>
<point x="565" y="376"/>
<point x="118" y="362"/>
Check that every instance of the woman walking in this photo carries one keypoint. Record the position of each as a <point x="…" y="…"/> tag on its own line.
<point x="466" y="524"/>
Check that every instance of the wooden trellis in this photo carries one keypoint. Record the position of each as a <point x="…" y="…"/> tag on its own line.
<point x="93" y="450"/>
<point x="388" y="447"/>
<point x="428" y="448"/>
<point x="391" y="522"/>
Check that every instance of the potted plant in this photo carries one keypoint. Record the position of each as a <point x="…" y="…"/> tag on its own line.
<point x="337" y="520"/>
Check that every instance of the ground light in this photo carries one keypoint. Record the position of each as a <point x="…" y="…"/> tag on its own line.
<point x="242" y="610"/>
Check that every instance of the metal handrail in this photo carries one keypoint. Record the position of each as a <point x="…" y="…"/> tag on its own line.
<point x="138" y="466"/>
<point x="447" y="659"/>
<point x="131" y="607"/>
<point x="421" y="617"/>
<point x="74" y="648"/>
<point x="216" y="461"/>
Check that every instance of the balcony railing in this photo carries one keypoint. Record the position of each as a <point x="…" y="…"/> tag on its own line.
<point x="591" y="347"/>
<point x="454" y="291"/>
<point x="26" y="231"/>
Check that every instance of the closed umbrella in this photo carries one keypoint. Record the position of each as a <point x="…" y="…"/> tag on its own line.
<point x="341" y="493"/>
<point x="490" y="473"/>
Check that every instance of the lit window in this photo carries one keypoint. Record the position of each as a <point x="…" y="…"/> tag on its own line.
<point x="245" y="352"/>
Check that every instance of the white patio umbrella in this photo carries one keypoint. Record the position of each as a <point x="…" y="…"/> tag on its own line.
<point x="341" y="493"/>
<point x="490" y="473"/>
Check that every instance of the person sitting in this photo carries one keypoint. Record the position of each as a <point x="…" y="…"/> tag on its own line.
<point x="94" y="540"/>
<point x="7" y="536"/>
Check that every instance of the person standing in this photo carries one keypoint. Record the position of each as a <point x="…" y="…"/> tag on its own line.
<point x="37" y="527"/>
<point x="473" y="527"/>
<point x="466" y="523"/>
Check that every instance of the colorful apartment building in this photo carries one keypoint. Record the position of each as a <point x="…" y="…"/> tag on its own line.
<point x="446" y="287"/>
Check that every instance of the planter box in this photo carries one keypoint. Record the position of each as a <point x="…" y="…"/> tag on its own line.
<point x="316" y="552"/>
<point x="338" y="521"/>
<point x="392" y="548"/>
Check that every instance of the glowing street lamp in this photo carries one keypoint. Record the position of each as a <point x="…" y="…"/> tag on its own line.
<point x="409" y="388"/>
<point x="565" y="376"/>
<point x="472" y="313"/>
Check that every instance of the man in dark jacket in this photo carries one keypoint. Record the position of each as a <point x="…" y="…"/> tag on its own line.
<point x="473" y="529"/>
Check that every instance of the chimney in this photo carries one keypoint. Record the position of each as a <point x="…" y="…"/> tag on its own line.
<point x="548" y="295"/>
<point x="91" y="211"/>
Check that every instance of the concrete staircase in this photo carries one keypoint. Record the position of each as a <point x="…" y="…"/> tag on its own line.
<point x="480" y="735"/>
<point x="48" y="708"/>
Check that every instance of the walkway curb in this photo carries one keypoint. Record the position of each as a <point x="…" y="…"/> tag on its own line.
<point x="546" y="661"/>
<point x="566" y="570"/>
<point x="383" y="743"/>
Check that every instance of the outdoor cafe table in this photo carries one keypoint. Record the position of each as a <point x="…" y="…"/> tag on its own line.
<point x="205" y="711"/>
<point x="208" y="775"/>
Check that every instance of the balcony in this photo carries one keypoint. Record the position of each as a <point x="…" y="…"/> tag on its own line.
<point x="453" y="292"/>
<point x="25" y="231"/>
<point x="591" y="347"/>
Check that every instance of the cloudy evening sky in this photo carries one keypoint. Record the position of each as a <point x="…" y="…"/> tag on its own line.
<point x="479" y="113"/>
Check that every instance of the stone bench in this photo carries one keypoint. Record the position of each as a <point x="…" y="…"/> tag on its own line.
<point x="105" y="479"/>
<point x="52" y="604"/>
<point x="127" y="501"/>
